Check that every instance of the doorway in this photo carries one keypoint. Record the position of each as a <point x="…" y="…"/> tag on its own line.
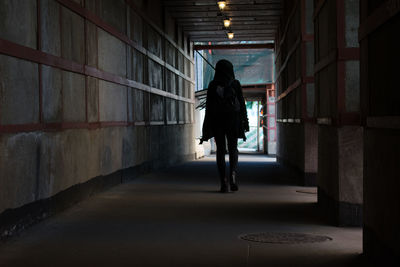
<point x="255" y="135"/>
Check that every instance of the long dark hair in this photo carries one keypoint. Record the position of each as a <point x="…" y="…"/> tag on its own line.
<point x="224" y="72"/>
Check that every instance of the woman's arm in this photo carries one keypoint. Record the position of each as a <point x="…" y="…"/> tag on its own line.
<point x="207" y="129"/>
<point x="243" y="111"/>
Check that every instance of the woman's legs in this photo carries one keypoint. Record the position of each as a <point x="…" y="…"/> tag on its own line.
<point x="233" y="161"/>
<point x="220" y="142"/>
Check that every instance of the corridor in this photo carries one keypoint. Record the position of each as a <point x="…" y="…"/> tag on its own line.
<point x="102" y="105"/>
<point x="176" y="217"/>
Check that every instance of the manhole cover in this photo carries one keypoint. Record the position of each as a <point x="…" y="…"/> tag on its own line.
<point x="284" y="238"/>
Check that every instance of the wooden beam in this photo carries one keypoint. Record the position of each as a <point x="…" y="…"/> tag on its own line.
<point x="235" y="46"/>
<point x="214" y="7"/>
<point x="210" y="2"/>
<point x="237" y="32"/>
<point x="380" y="16"/>
<point x="236" y="18"/>
<point x="219" y="23"/>
<point x="225" y="39"/>
<point x="219" y="27"/>
<point x="223" y="34"/>
<point x="231" y="14"/>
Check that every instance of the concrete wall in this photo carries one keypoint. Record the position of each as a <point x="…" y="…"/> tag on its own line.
<point x="340" y="138"/>
<point x="380" y="21"/>
<point x="296" y="130"/>
<point x="86" y="90"/>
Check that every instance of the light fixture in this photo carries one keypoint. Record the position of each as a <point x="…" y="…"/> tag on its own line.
<point x="230" y="35"/>
<point x="221" y="5"/>
<point x="227" y="22"/>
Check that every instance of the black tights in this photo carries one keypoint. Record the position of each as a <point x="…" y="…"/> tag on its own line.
<point x="233" y="152"/>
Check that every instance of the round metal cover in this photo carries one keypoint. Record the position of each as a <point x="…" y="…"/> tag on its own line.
<point x="284" y="238"/>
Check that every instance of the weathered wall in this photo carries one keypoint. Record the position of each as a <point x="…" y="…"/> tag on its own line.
<point x="379" y="43"/>
<point x="88" y="88"/>
<point x="340" y="145"/>
<point x="297" y="133"/>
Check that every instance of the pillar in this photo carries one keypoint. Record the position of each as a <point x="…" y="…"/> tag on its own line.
<point x="340" y="134"/>
<point x="380" y="95"/>
<point x="296" y="129"/>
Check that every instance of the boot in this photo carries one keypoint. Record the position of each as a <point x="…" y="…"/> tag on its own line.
<point x="224" y="185"/>
<point x="232" y="182"/>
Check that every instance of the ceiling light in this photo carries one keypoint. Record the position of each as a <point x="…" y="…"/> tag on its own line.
<point x="227" y="22"/>
<point x="230" y="35"/>
<point x="221" y="4"/>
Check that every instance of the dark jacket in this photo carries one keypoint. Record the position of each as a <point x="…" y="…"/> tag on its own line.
<point x="215" y="119"/>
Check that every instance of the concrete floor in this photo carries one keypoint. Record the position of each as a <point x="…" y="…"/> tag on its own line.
<point x="176" y="217"/>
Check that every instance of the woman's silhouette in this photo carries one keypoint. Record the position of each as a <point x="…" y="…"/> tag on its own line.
<point x="226" y="116"/>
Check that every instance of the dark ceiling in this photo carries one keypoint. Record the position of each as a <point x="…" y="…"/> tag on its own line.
<point x="255" y="20"/>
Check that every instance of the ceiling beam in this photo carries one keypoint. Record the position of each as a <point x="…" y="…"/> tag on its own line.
<point x="237" y="35"/>
<point x="237" y="32"/>
<point x="236" y="38"/>
<point x="236" y="18"/>
<point x="214" y="7"/>
<point x="234" y="27"/>
<point x="242" y="13"/>
<point x="209" y="2"/>
<point x="225" y="39"/>
<point x="235" y="46"/>
<point x="219" y="23"/>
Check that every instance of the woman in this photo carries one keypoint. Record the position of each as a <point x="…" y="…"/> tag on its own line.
<point x="226" y="116"/>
